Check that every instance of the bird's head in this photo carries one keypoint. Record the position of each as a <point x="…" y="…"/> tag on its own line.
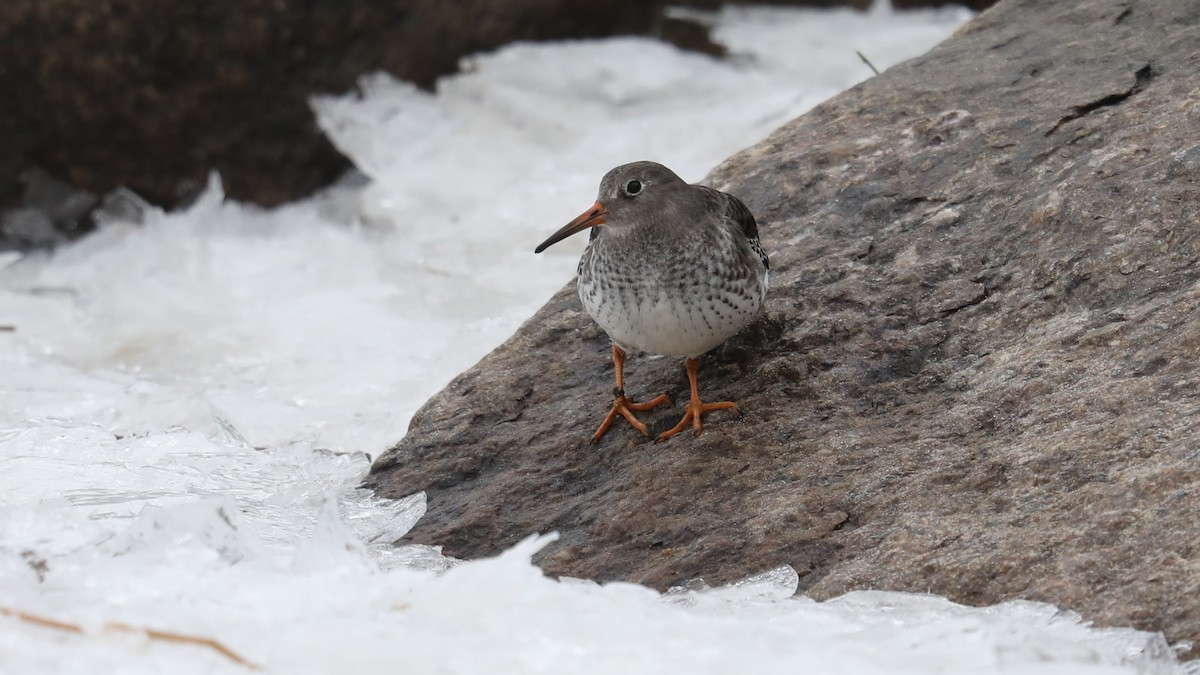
<point x="627" y="194"/>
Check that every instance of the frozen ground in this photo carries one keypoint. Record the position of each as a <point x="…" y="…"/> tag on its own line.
<point x="187" y="404"/>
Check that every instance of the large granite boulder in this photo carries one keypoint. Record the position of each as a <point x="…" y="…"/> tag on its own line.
<point x="975" y="376"/>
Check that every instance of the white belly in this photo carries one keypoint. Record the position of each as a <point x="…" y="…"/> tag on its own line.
<point x="671" y="324"/>
<point x="671" y="295"/>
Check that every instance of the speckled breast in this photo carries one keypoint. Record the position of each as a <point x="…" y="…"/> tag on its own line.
<point x="680" y="299"/>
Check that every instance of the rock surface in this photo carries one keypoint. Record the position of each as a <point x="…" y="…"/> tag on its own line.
<point x="976" y="374"/>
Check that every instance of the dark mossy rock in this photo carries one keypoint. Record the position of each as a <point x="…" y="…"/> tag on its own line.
<point x="153" y="95"/>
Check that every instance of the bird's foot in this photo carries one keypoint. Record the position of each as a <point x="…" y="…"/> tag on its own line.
<point x="696" y="408"/>
<point x="624" y="406"/>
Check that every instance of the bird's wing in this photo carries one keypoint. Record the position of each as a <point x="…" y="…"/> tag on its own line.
<point x="736" y="212"/>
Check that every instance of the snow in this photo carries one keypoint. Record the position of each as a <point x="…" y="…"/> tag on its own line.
<point x="188" y="403"/>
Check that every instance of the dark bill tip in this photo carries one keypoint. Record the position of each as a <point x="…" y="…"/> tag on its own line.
<point x="590" y="218"/>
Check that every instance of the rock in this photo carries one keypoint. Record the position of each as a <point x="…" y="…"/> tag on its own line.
<point x="152" y="96"/>
<point x="26" y="228"/>
<point x="975" y="376"/>
<point x="48" y="212"/>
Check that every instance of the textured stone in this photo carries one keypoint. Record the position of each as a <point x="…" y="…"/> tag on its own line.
<point x="975" y="376"/>
<point x="153" y="95"/>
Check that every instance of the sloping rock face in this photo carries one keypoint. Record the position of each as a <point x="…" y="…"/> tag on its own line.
<point x="975" y="376"/>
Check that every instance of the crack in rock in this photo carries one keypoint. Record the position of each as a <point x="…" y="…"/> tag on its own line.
<point x="1140" y="79"/>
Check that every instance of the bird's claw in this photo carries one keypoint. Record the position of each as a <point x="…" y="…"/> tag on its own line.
<point x="624" y="407"/>
<point x="695" y="409"/>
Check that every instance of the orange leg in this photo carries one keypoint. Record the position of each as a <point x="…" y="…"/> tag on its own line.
<point x="696" y="408"/>
<point x="623" y="406"/>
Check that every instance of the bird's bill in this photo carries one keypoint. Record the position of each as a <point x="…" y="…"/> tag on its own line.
<point x="590" y="218"/>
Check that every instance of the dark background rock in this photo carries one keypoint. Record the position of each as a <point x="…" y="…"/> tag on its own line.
<point x="975" y="376"/>
<point x="49" y="212"/>
<point x="153" y="95"/>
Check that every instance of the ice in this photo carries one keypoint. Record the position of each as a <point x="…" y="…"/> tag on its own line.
<point x="188" y="401"/>
<point x="502" y="615"/>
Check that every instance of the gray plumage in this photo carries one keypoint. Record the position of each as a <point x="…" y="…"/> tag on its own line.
<point x="675" y="269"/>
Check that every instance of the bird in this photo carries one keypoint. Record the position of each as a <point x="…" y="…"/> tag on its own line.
<point x="670" y="268"/>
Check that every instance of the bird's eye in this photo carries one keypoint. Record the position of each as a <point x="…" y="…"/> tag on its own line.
<point x="633" y="187"/>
